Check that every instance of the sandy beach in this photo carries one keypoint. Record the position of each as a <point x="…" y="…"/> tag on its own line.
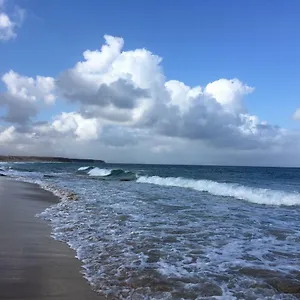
<point x="33" y="265"/>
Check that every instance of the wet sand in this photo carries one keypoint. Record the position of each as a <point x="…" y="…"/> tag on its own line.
<point x="32" y="264"/>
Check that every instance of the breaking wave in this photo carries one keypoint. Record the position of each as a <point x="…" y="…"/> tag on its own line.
<point x="238" y="191"/>
<point x="254" y="195"/>
<point x="82" y="169"/>
<point x="106" y="174"/>
<point x="98" y="172"/>
<point x="121" y="175"/>
<point x="93" y="171"/>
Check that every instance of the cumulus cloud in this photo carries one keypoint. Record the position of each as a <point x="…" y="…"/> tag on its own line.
<point x="296" y="115"/>
<point x="83" y="129"/>
<point x="129" y="87"/>
<point x="229" y="93"/>
<point x="29" y="88"/>
<point x="7" y="135"/>
<point x="24" y="95"/>
<point x="10" y="22"/>
<point x="127" y="107"/>
<point x="116" y="85"/>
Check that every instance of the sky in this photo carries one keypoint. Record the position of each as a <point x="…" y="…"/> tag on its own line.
<point x="175" y="82"/>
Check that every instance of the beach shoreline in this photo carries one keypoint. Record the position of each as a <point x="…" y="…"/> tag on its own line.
<point x="34" y="265"/>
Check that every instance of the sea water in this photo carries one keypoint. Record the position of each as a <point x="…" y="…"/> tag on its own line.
<point x="177" y="232"/>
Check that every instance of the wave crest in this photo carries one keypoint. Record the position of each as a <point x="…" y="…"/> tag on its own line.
<point x="254" y="195"/>
<point x="98" y="172"/>
<point x="106" y="174"/>
<point x="85" y="168"/>
<point x="121" y="175"/>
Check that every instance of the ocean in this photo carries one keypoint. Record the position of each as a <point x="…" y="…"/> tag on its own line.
<point x="177" y="232"/>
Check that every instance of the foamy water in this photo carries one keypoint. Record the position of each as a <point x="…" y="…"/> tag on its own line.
<point x="98" y="172"/>
<point x="179" y="232"/>
<point x="255" y="195"/>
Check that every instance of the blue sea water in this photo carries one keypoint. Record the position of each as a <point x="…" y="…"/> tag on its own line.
<point x="177" y="232"/>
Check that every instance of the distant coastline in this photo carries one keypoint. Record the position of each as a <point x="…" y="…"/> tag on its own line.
<point x="11" y="158"/>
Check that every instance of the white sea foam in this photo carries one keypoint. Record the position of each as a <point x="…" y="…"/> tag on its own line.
<point x="254" y="195"/>
<point x="63" y="194"/>
<point x="99" y="172"/>
<point x="83" y="168"/>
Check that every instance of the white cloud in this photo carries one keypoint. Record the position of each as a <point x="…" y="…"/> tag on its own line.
<point x="10" y="22"/>
<point x="98" y="62"/>
<point x="296" y="115"/>
<point x="120" y="83"/>
<point x="6" y="27"/>
<point x="24" y="95"/>
<point x="181" y="95"/>
<point x="129" y="111"/>
<point x="229" y="93"/>
<point x="7" y="135"/>
<point x="30" y="89"/>
<point x="74" y="123"/>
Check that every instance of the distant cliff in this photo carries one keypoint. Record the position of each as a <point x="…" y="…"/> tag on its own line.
<point x="9" y="158"/>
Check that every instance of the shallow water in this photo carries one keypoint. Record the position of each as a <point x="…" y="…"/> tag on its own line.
<point x="178" y="232"/>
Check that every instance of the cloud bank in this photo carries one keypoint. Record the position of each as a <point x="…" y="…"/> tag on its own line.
<point x="128" y="111"/>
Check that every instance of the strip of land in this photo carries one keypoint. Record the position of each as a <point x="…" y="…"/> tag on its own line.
<point x="10" y="158"/>
<point x="32" y="264"/>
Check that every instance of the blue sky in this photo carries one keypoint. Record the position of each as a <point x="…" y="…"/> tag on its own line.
<point x="200" y="42"/>
<point x="255" y="41"/>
